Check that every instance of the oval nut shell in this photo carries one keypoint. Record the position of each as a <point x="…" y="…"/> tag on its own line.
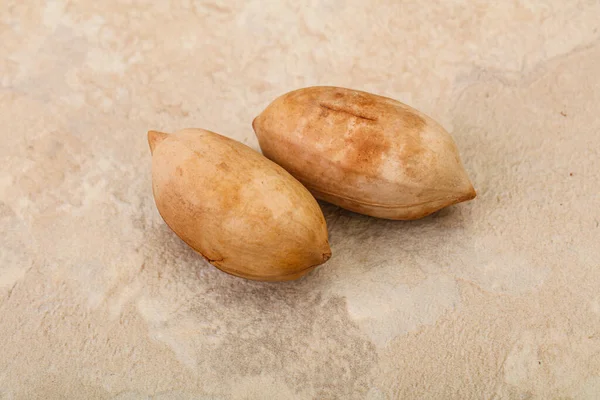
<point x="246" y="215"/>
<point x="363" y="152"/>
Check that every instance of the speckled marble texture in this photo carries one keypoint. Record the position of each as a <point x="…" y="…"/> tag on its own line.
<point x="498" y="298"/>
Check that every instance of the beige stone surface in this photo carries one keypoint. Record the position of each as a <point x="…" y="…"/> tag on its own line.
<point x="498" y="298"/>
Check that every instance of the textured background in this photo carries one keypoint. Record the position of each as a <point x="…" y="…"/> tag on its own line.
<point x="498" y="298"/>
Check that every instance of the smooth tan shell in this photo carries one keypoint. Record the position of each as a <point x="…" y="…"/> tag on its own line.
<point x="243" y="213"/>
<point x="363" y="152"/>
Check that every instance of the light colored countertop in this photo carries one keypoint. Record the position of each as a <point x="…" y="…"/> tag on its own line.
<point x="497" y="298"/>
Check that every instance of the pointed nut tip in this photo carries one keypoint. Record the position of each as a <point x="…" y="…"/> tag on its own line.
<point x="469" y="195"/>
<point x="154" y="138"/>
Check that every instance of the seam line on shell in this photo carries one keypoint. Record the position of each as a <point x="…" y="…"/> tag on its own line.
<point x="456" y="199"/>
<point x="236" y="272"/>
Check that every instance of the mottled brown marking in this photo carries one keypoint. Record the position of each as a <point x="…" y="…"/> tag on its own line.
<point x="179" y="171"/>
<point x="411" y="153"/>
<point x="412" y="121"/>
<point x="223" y="167"/>
<point x="229" y="195"/>
<point x="362" y="99"/>
<point x="411" y="148"/>
<point x="346" y="110"/>
<point x="324" y="112"/>
<point x="365" y="151"/>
